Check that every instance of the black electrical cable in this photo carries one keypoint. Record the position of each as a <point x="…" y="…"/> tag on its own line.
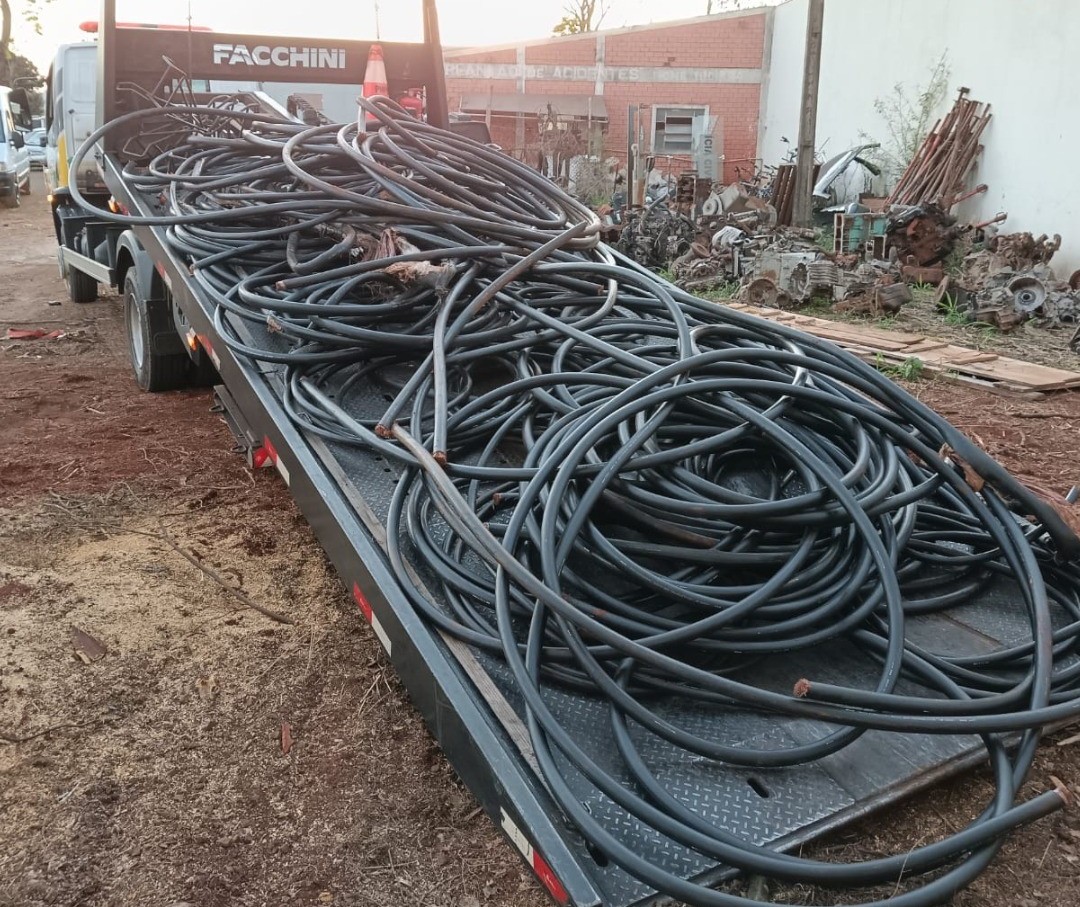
<point x="618" y="488"/>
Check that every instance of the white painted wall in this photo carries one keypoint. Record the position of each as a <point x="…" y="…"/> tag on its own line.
<point x="1020" y="57"/>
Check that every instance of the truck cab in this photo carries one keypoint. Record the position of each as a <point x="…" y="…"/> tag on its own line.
<point x="14" y="156"/>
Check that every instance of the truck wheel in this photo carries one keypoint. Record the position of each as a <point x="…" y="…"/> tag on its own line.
<point x="13" y="200"/>
<point x="149" y="327"/>
<point x="81" y="287"/>
<point x="26" y="188"/>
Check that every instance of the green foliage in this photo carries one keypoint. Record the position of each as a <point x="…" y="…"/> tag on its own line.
<point x="568" y="25"/>
<point x="911" y="369"/>
<point x="951" y="311"/>
<point x="908" y="116"/>
<point x="728" y="290"/>
<point x="32" y="13"/>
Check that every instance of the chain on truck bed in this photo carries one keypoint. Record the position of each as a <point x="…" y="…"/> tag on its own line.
<point x="621" y="488"/>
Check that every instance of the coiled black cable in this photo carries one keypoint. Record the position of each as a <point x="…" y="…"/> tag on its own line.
<point x="619" y="488"/>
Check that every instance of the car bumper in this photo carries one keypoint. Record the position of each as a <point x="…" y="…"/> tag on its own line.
<point x="9" y="184"/>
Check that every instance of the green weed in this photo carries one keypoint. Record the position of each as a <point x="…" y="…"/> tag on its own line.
<point x="951" y="311"/>
<point x="911" y="369"/>
<point x="728" y="290"/>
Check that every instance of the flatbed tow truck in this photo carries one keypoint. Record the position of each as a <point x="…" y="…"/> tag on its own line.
<point x="465" y="696"/>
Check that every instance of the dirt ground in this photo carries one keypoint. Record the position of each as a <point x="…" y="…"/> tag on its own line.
<point x="164" y="782"/>
<point x="154" y="774"/>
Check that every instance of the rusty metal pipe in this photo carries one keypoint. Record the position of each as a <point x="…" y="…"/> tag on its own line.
<point x="971" y="193"/>
<point x="998" y="218"/>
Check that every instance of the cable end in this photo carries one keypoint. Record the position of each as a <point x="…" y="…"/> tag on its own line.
<point x="440" y="458"/>
<point x="383" y="432"/>
<point x="802" y="688"/>
<point x="1063" y="791"/>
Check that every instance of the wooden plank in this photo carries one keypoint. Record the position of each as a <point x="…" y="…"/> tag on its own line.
<point x="985" y="368"/>
<point x="1015" y="371"/>
<point x="893" y="338"/>
<point x="925" y="346"/>
<point x="964" y="356"/>
<point x="1000" y="388"/>
<point x="853" y="337"/>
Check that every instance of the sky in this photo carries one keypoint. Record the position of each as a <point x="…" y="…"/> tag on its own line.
<point x="464" y="23"/>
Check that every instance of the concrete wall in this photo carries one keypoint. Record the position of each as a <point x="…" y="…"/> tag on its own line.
<point x="714" y="61"/>
<point x="1018" y="57"/>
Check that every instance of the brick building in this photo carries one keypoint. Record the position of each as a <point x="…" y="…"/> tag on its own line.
<point x="693" y="77"/>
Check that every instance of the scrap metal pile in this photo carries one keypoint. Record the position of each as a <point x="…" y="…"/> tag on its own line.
<point x="622" y="489"/>
<point x="710" y="236"/>
<point x="1009" y="281"/>
<point x="1006" y="279"/>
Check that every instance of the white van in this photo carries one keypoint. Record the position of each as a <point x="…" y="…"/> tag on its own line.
<point x="14" y="158"/>
<point x="70" y="103"/>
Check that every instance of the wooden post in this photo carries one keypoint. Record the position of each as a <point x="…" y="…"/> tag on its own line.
<point x="804" y="175"/>
<point x="641" y="175"/>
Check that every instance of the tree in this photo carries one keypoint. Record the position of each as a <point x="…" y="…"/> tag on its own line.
<point x="10" y="67"/>
<point x="22" y="73"/>
<point x="580" y="16"/>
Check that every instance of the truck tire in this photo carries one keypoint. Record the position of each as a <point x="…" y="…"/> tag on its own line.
<point x="13" y="200"/>
<point x="81" y="287"/>
<point x="26" y="189"/>
<point x="147" y="324"/>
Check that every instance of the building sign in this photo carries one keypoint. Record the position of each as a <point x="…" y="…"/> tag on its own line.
<point x="281" y="56"/>
<point x="705" y="158"/>
<point x="558" y="73"/>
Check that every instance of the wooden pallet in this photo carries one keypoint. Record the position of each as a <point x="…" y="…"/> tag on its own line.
<point x="1000" y="374"/>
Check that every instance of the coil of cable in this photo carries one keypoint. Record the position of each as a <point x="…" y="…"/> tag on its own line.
<point x="618" y="487"/>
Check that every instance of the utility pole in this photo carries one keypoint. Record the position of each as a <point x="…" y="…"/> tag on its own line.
<point x="804" y="174"/>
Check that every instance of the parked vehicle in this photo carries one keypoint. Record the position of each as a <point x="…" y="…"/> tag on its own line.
<point x="70" y="103"/>
<point x="36" y="142"/>
<point x="14" y="157"/>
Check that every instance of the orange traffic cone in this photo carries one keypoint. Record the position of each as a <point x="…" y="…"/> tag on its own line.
<point x="375" y="78"/>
